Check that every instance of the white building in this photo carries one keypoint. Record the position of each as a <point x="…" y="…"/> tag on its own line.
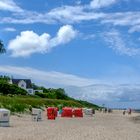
<point x="25" y="84"/>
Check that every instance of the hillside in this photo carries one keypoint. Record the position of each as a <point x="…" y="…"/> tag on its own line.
<point x="25" y="103"/>
<point x="18" y="100"/>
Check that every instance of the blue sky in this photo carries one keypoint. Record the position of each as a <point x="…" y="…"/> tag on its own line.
<point x="89" y="47"/>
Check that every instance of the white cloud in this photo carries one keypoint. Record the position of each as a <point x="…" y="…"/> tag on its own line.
<point x="9" y="5"/>
<point x="29" y="42"/>
<point x="88" y="36"/>
<point x="70" y="14"/>
<point x="117" y="43"/>
<point x="134" y="29"/>
<point x="123" y="18"/>
<point x="96" y="4"/>
<point x="107" y="93"/>
<point x="53" y="77"/>
<point x="64" y="35"/>
<point x="9" y="29"/>
<point x="64" y="14"/>
<point x="76" y="14"/>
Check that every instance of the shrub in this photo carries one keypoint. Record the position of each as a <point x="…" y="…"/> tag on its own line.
<point x="9" y="89"/>
<point x="42" y="95"/>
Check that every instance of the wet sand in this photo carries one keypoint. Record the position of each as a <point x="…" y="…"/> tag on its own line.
<point x="114" y="126"/>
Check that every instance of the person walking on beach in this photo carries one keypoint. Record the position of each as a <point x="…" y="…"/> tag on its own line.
<point x="93" y="111"/>
<point x="124" y="112"/>
<point x="129" y="111"/>
<point x="105" y="110"/>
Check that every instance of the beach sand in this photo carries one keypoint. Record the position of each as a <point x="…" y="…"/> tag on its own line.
<point x="114" y="126"/>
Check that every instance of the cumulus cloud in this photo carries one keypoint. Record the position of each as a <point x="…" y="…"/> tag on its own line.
<point x="96" y="4"/>
<point x="9" y="5"/>
<point x="64" y="35"/>
<point x="29" y="42"/>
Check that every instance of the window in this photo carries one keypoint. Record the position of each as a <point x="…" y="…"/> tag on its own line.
<point x="22" y="85"/>
<point x="30" y="91"/>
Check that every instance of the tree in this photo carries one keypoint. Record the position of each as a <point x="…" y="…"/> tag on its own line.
<point x="60" y="94"/>
<point x="2" y="49"/>
<point x="4" y="78"/>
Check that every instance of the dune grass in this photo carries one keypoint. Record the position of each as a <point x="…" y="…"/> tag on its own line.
<point x="25" y="103"/>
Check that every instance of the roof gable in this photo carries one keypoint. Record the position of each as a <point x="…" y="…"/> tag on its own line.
<point x="27" y="81"/>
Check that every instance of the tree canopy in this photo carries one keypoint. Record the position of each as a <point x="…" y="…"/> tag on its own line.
<point x="2" y="49"/>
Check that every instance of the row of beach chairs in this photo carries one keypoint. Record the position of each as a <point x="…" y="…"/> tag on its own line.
<point x="51" y="113"/>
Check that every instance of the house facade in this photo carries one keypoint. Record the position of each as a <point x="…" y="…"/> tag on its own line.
<point x="25" y="84"/>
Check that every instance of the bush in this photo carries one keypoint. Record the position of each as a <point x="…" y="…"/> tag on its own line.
<point x="42" y="95"/>
<point x="10" y="89"/>
<point x="53" y="94"/>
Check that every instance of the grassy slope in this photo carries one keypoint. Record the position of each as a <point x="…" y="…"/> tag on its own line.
<point x="24" y="103"/>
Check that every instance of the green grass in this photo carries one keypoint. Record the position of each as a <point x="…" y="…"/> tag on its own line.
<point x="25" y="103"/>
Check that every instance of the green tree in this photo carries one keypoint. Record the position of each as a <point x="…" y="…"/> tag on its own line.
<point x="4" y="78"/>
<point x="2" y="49"/>
<point x="10" y="89"/>
<point x="60" y="94"/>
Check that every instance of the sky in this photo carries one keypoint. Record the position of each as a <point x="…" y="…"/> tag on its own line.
<point x="88" y="47"/>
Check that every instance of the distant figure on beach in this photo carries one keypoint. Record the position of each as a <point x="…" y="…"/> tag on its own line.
<point x="124" y="112"/>
<point x="129" y="111"/>
<point x="105" y="110"/>
<point x="109" y="110"/>
<point x="60" y="111"/>
<point x="93" y="111"/>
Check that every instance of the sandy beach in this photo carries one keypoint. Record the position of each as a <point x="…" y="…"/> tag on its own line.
<point x="102" y="126"/>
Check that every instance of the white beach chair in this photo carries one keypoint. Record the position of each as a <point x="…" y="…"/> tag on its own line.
<point x="4" y="117"/>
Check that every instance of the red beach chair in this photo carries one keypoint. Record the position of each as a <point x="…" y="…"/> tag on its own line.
<point x="67" y="112"/>
<point x="78" y="112"/>
<point x="51" y="113"/>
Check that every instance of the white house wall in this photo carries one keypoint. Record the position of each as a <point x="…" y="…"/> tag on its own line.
<point x="22" y="84"/>
<point x="30" y="91"/>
